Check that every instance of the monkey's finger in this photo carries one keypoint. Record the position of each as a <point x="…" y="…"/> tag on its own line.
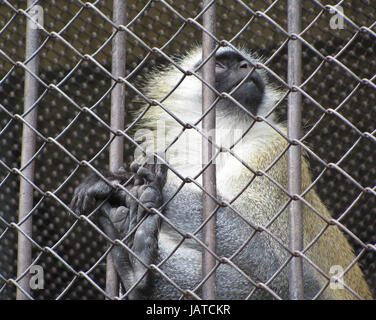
<point x="146" y="235"/>
<point x="145" y="245"/>
<point x="87" y="204"/>
<point x="132" y="205"/>
<point x="150" y="162"/>
<point x="133" y="193"/>
<point x="120" y="196"/>
<point x="134" y="167"/>
<point x="161" y="173"/>
<point x="137" y="179"/>
<point x="76" y="203"/>
<point x="73" y="204"/>
<point x="150" y="198"/>
<point x="101" y="189"/>
<point x="119" y="217"/>
<point x="74" y="200"/>
<point x="106" y="222"/>
<point x="137" y="191"/>
<point x="147" y="174"/>
<point x="158" y="168"/>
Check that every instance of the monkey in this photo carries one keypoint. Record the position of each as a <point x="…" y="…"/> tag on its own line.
<point x="251" y="168"/>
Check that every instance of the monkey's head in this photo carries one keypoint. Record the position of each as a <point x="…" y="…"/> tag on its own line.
<point x="236" y="75"/>
<point x="179" y="94"/>
<point x="233" y="75"/>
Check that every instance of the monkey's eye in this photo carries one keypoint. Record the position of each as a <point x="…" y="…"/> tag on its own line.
<point x="243" y="64"/>
<point x="219" y="65"/>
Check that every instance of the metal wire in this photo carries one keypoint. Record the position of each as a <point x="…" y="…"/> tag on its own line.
<point x="82" y="70"/>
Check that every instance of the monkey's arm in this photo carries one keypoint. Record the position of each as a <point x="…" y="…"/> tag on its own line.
<point x="121" y="213"/>
<point x="330" y="249"/>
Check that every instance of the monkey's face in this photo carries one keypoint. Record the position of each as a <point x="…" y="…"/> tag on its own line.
<point x="231" y="70"/>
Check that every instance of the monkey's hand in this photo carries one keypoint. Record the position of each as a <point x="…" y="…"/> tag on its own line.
<point x="121" y="215"/>
<point x="137" y="227"/>
<point x="93" y="190"/>
<point x="148" y="185"/>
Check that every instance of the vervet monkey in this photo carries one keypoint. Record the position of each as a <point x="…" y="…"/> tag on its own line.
<point x="255" y="200"/>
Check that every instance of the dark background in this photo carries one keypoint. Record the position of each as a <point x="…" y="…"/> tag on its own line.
<point x="82" y="245"/>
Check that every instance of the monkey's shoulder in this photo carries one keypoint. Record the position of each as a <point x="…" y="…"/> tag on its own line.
<point x="263" y="157"/>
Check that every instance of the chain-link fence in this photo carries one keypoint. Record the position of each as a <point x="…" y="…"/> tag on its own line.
<point x="69" y="67"/>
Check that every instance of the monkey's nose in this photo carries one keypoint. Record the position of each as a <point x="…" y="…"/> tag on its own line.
<point x="258" y="81"/>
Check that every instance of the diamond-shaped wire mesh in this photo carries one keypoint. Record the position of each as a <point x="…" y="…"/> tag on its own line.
<point x="339" y="67"/>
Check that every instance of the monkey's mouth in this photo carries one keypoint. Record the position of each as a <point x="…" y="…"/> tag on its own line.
<point x="257" y="81"/>
<point x="251" y="80"/>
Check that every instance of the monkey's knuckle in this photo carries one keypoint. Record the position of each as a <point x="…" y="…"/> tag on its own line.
<point x="148" y="195"/>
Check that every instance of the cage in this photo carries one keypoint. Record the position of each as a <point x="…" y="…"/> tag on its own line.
<point x="72" y="115"/>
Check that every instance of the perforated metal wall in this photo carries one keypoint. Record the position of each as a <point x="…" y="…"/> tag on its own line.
<point x="332" y="85"/>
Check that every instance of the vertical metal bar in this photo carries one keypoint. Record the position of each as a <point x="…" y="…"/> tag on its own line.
<point x="294" y="164"/>
<point x="209" y="175"/>
<point x="117" y="120"/>
<point x="27" y="152"/>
